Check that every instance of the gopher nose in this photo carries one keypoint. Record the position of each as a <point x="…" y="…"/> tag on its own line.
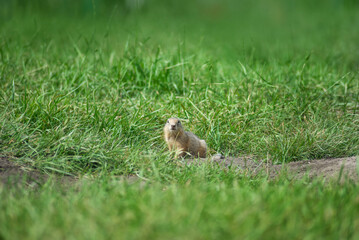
<point x="173" y="127"/>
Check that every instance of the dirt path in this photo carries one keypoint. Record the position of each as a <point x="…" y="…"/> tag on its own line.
<point x="14" y="174"/>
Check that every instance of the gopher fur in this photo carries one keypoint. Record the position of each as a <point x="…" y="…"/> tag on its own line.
<point x="183" y="142"/>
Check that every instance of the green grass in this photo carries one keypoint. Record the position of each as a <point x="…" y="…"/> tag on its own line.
<point x="199" y="209"/>
<point x="86" y="90"/>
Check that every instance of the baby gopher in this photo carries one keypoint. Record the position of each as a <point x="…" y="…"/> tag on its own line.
<point x="183" y="142"/>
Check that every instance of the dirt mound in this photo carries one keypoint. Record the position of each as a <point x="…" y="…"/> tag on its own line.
<point x="327" y="168"/>
<point x="12" y="174"/>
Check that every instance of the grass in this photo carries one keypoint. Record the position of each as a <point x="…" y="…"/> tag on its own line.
<point x="86" y="90"/>
<point x="244" y="208"/>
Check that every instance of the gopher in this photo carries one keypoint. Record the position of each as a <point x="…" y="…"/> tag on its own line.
<point x="183" y="142"/>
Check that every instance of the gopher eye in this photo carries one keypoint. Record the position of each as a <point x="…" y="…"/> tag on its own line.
<point x="168" y="121"/>
<point x="179" y="122"/>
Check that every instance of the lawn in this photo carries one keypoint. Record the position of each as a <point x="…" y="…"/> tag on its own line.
<point x="86" y="88"/>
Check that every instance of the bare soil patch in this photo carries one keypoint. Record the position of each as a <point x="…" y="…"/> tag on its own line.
<point x="327" y="168"/>
<point x="13" y="174"/>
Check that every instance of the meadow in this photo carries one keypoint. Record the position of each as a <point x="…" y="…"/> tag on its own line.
<point x="86" y="90"/>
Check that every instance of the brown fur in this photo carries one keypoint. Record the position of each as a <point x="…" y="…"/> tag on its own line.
<point x="183" y="142"/>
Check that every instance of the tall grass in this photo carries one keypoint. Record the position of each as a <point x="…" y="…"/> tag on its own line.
<point x="84" y="94"/>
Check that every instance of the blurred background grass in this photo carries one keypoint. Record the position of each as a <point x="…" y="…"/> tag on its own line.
<point x="232" y="28"/>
